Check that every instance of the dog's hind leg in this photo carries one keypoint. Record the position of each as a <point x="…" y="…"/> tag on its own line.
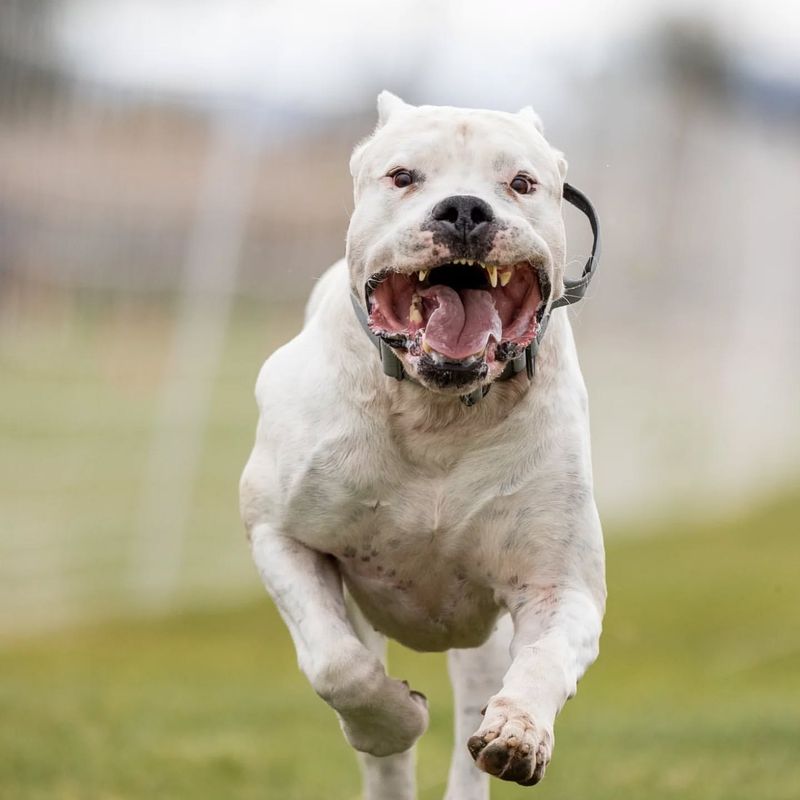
<point x="391" y="777"/>
<point x="476" y="675"/>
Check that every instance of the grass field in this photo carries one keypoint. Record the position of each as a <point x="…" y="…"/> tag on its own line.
<point x="696" y="694"/>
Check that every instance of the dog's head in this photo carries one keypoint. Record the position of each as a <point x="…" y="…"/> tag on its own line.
<point x="458" y="236"/>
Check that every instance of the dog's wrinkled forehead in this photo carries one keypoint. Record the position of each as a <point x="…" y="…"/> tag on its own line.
<point x="460" y="146"/>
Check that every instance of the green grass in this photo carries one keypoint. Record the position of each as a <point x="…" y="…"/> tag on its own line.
<point x="696" y="694"/>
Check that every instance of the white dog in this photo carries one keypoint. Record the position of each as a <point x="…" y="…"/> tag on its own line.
<point x="430" y="509"/>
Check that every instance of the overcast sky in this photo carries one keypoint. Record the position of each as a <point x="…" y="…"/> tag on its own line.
<point x="324" y="56"/>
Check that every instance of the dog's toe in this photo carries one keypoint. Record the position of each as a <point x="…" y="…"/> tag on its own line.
<point x="510" y="746"/>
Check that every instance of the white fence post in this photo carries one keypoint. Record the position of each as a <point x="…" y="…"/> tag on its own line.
<point x="207" y="290"/>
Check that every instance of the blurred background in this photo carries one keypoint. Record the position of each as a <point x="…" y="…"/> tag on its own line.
<point x="173" y="179"/>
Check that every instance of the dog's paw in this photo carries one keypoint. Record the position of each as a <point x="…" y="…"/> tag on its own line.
<point x="511" y="745"/>
<point x="388" y="719"/>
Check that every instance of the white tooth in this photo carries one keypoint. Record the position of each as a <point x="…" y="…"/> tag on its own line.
<point x="505" y="276"/>
<point x="492" y="275"/>
<point x="415" y="310"/>
<point x="426" y="347"/>
<point x="423" y="273"/>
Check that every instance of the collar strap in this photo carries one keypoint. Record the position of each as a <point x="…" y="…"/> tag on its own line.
<point x="574" y="290"/>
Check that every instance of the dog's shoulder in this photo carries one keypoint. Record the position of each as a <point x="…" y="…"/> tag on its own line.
<point x="304" y="361"/>
<point x="328" y="286"/>
<point x="315" y="387"/>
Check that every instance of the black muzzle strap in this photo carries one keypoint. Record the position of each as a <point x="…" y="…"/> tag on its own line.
<point x="574" y="290"/>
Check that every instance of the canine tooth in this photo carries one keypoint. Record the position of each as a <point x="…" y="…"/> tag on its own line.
<point x="505" y="276"/>
<point x="423" y="273"/>
<point x="415" y="310"/>
<point x="426" y="347"/>
<point x="492" y="275"/>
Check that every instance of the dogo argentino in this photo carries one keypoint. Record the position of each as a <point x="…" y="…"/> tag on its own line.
<point x="437" y="490"/>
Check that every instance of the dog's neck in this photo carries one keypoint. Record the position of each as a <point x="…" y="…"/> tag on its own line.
<point x="423" y="410"/>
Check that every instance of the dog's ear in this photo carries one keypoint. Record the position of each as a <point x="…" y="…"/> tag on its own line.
<point x="388" y="105"/>
<point x="561" y="162"/>
<point x="528" y="113"/>
<point x="355" y="157"/>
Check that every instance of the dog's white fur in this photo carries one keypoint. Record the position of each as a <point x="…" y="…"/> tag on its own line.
<point x="472" y="530"/>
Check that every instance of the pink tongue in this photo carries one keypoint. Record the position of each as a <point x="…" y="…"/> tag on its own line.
<point x="461" y="322"/>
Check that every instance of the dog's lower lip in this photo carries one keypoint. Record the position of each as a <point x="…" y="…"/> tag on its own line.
<point x="445" y="361"/>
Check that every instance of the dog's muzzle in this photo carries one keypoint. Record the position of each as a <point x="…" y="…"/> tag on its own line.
<point x="456" y="372"/>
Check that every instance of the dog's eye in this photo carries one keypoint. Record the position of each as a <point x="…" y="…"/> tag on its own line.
<point x="522" y="184"/>
<point x="402" y="178"/>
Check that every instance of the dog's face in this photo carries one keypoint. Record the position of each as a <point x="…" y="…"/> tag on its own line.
<point x="457" y="234"/>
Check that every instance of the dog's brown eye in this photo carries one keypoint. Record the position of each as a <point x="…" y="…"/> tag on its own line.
<point x="522" y="184"/>
<point x="402" y="178"/>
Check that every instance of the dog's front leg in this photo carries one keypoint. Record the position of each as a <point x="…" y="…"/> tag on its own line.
<point x="556" y="636"/>
<point x="379" y="715"/>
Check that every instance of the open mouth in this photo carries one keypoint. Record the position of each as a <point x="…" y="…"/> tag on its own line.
<point x="459" y="313"/>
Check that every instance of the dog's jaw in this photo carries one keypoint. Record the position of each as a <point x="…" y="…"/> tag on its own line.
<point x="455" y="325"/>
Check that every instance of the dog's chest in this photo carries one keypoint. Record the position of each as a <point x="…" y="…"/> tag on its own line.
<point x="415" y="570"/>
<point x="419" y="552"/>
<point x="393" y="512"/>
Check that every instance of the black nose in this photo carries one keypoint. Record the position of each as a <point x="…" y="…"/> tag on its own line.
<point x="462" y="214"/>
